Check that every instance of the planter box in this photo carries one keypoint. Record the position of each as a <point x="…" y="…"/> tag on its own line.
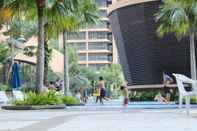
<point x="10" y="107"/>
<point x="75" y="104"/>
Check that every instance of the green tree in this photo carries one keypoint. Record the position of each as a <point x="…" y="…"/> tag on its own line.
<point x="73" y="62"/>
<point x="41" y="8"/>
<point x="112" y="74"/>
<point x="62" y="16"/>
<point x="179" y="17"/>
<point x="84" y="13"/>
<point x="23" y="7"/>
<point x="4" y="53"/>
<point x="77" y="80"/>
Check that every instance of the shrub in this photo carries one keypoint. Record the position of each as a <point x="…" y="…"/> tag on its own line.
<point x="4" y="87"/>
<point x="32" y="98"/>
<point x="193" y="100"/>
<point x="70" y="100"/>
<point x="28" y="89"/>
<point x="143" y="95"/>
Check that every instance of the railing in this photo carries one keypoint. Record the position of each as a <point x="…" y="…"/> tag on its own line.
<point x="146" y="87"/>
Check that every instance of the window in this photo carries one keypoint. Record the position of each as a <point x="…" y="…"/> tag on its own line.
<point x="98" y="46"/>
<point x="110" y="47"/>
<point x="100" y="24"/>
<point x="109" y="36"/>
<point x="97" y="66"/>
<point x="76" y="36"/>
<point x="97" y="35"/>
<point x="102" y="13"/>
<point x="110" y="58"/>
<point x="78" y="46"/>
<point x="82" y="57"/>
<point x="98" y="57"/>
<point x="101" y="3"/>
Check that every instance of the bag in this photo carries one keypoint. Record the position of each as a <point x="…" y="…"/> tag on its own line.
<point x="96" y="93"/>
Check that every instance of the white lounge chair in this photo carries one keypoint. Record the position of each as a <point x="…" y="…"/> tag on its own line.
<point x="3" y="97"/>
<point x="18" y="95"/>
<point x="181" y="80"/>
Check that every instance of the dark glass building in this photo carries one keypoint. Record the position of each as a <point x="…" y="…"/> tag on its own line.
<point x="143" y="55"/>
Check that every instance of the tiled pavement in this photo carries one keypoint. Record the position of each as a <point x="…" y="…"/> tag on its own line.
<point x="122" y="120"/>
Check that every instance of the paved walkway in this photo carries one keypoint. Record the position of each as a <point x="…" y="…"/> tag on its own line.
<point x="122" y="120"/>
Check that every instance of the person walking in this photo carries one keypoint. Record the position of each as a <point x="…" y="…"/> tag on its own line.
<point x="101" y="88"/>
<point x="125" y="92"/>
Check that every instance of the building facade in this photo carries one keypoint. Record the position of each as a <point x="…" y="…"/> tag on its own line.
<point x="143" y="55"/>
<point x="95" y="44"/>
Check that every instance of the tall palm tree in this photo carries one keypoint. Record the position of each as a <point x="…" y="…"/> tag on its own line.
<point x="180" y="17"/>
<point x="40" y="58"/>
<point x="84" y="13"/>
<point x="61" y="15"/>
<point x="41" y="8"/>
<point x="77" y="13"/>
<point x="24" y="7"/>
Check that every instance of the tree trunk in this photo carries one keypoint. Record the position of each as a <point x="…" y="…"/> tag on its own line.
<point x="192" y="55"/>
<point x="40" y="52"/>
<point x="45" y="63"/>
<point x="47" y="54"/>
<point x="66" y="74"/>
<point x="12" y="54"/>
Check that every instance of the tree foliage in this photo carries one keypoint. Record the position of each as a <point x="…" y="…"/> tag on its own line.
<point x="73" y="62"/>
<point x="112" y="74"/>
<point x="180" y="17"/>
<point x="4" y="53"/>
<point x="177" y="16"/>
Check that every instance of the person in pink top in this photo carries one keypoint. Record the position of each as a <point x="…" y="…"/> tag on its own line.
<point x="125" y="92"/>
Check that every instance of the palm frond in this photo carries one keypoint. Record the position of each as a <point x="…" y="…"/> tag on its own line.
<point x="177" y="16"/>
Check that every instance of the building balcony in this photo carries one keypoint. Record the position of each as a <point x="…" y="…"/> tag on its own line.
<point x="102" y="8"/>
<point x="100" y="40"/>
<point x="94" y="51"/>
<point x="77" y="41"/>
<point x="94" y="62"/>
<point x="98" y="29"/>
<point x="104" y="19"/>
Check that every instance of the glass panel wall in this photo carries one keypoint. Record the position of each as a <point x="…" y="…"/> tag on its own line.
<point x="77" y="36"/>
<point x="82" y="57"/>
<point x="97" y="46"/>
<point x="100" y="24"/>
<point x="97" y="35"/>
<point x="78" y="46"/>
<point x="102" y="13"/>
<point x="97" y="66"/>
<point x="98" y="57"/>
<point x="101" y="3"/>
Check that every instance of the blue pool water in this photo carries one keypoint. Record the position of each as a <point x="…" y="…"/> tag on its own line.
<point x="136" y="105"/>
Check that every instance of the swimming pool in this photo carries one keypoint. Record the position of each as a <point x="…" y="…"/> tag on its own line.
<point x="137" y="105"/>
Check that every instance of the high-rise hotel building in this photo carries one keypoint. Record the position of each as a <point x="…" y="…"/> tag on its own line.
<point x="95" y="44"/>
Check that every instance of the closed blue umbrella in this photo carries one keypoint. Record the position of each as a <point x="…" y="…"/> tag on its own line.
<point x="15" y="79"/>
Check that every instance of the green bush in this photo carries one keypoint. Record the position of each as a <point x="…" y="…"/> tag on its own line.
<point x="32" y="98"/>
<point x="70" y="100"/>
<point x="28" y="89"/>
<point x="4" y="87"/>
<point x="143" y="95"/>
<point x="193" y="100"/>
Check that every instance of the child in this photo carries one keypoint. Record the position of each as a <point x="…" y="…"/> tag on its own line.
<point x="167" y="80"/>
<point x="125" y="94"/>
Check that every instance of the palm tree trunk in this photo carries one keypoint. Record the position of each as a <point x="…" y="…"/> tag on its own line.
<point x="47" y="58"/>
<point x="192" y="55"/>
<point x="40" y="57"/>
<point x="45" y="62"/>
<point x="66" y="74"/>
